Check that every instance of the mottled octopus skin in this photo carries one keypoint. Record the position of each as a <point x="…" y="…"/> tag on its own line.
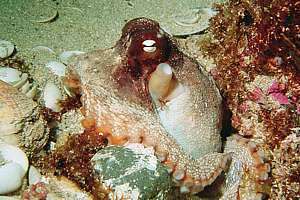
<point x="115" y="93"/>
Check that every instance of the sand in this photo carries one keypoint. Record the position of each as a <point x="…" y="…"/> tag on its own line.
<point x="81" y="25"/>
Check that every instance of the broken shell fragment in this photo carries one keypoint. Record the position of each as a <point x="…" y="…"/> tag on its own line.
<point x="13" y="167"/>
<point x="43" y="49"/>
<point x="52" y="96"/>
<point x="66" y="56"/>
<point x="34" y="176"/>
<point x="6" y="48"/>
<point x="57" y="68"/>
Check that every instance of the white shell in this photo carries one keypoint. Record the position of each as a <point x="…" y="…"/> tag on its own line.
<point x="9" y="75"/>
<point x="12" y="153"/>
<point x="66" y="56"/>
<point x="34" y="175"/>
<point x="6" y="48"/>
<point x="11" y="177"/>
<point x="194" y="21"/>
<point x="14" y="167"/>
<point x="52" y="96"/>
<point x="43" y="48"/>
<point x="57" y="68"/>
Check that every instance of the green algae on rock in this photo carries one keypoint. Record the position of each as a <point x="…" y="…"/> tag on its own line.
<point x="132" y="172"/>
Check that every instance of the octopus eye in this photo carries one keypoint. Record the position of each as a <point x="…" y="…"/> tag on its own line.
<point x="149" y="46"/>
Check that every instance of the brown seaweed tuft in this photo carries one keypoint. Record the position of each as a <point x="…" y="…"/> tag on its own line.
<point x="72" y="160"/>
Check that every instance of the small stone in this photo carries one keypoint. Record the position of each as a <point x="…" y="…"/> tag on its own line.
<point x="132" y="172"/>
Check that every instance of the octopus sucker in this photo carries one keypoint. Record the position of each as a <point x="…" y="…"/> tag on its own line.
<point x="248" y="174"/>
<point x="145" y="90"/>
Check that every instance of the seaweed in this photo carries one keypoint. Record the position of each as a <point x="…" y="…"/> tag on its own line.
<point x="259" y="37"/>
<point x="73" y="159"/>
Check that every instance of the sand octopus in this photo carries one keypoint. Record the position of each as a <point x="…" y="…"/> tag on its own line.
<point x="146" y="90"/>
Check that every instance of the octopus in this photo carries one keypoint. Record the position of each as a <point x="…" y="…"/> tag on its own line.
<point x="145" y="90"/>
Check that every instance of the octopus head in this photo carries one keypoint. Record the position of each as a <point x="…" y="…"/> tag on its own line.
<point x="143" y="46"/>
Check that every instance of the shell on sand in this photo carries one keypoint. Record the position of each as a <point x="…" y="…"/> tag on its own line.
<point x="14" y="165"/>
<point x="6" y="48"/>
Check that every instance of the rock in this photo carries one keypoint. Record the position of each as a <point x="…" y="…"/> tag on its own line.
<point x="132" y="172"/>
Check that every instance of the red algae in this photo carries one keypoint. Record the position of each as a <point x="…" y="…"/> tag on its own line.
<point x="250" y="39"/>
<point x="72" y="160"/>
<point x="35" y="191"/>
<point x="70" y="103"/>
<point x="253" y="38"/>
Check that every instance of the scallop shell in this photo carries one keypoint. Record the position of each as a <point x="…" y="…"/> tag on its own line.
<point x="194" y="21"/>
<point x="6" y="48"/>
<point x="20" y="120"/>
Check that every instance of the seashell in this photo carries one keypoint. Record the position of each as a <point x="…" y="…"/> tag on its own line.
<point x="52" y="96"/>
<point x="194" y="21"/>
<point x="66" y="56"/>
<point x="57" y="68"/>
<point x="10" y="75"/>
<point x="6" y="48"/>
<point x="43" y="48"/>
<point x="34" y="176"/>
<point x="13" y="168"/>
<point x="20" y="120"/>
<point x="18" y="80"/>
